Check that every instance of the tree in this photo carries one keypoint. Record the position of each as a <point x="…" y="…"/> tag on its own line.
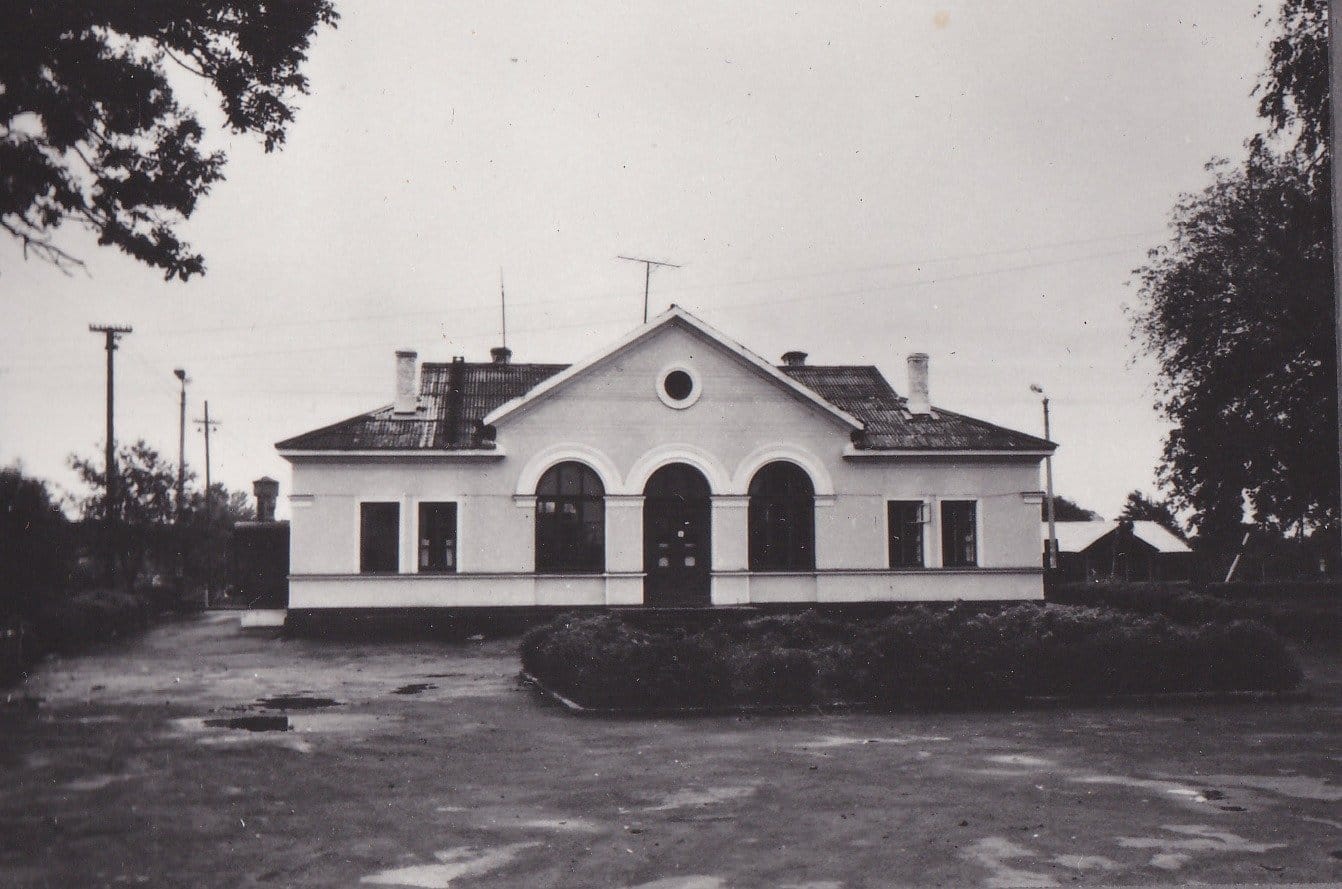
<point x="144" y="531"/>
<point x="34" y="544"/>
<point x="1065" y="510"/>
<point x="92" y="132"/>
<point x="1141" y="508"/>
<point x="1235" y="309"/>
<point x="139" y="523"/>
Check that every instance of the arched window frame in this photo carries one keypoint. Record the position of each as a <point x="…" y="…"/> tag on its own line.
<point x="570" y="520"/>
<point x="782" y="518"/>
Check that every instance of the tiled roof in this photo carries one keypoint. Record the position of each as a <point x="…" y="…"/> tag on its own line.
<point x="864" y="393"/>
<point x="456" y="396"/>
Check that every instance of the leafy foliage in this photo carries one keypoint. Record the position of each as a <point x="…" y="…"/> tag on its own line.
<point x="1141" y="508"/>
<point x="92" y="131"/>
<point x="144" y="527"/>
<point x="1234" y="309"/>
<point x="35" y="544"/>
<point x="1065" y="510"/>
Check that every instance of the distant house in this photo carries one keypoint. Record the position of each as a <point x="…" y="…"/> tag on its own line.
<point x="675" y="467"/>
<point x="1122" y="549"/>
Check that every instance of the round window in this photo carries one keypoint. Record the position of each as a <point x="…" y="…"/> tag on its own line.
<point x="678" y="385"/>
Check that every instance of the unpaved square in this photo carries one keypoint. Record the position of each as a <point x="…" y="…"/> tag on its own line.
<point x="197" y="756"/>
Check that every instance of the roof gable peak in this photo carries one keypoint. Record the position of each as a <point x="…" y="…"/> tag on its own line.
<point x="673" y="315"/>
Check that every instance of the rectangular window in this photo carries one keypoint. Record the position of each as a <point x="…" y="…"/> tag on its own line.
<point x="959" y="536"/>
<point x="437" y="538"/>
<point x="379" y="537"/>
<point x="905" y="523"/>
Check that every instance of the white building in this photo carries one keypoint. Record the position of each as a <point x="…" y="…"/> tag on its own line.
<point x="675" y="467"/>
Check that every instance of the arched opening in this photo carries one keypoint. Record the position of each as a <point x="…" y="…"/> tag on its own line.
<point x="676" y="537"/>
<point x="782" y="519"/>
<point x="570" y="520"/>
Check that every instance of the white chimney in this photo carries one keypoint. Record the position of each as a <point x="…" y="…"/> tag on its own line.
<point x="407" y="398"/>
<point x="918" y="403"/>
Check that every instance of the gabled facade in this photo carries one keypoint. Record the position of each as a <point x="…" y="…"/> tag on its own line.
<point x="675" y="467"/>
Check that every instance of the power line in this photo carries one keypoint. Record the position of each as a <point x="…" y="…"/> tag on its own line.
<point x="308" y="321"/>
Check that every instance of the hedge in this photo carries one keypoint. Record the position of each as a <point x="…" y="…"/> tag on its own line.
<point x="1293" y="614"/>
<point x="918" y="658"/>
<point x="71" y="623"/>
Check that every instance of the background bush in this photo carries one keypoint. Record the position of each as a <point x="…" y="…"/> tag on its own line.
<point x="917" y="657"/>
<point x="1304" y="610"/>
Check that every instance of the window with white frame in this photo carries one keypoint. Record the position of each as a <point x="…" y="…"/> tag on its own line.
<point x="904" y="524"/>
<point x="437" y="538"/>
<point x="959" y="534"/>
<point x="379" y="538"/>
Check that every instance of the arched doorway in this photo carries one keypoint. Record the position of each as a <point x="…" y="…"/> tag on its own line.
<point x="676" y="537"/>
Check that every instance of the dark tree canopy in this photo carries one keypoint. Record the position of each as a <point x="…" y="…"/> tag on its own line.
<point x="91" y="131"/>
<point x="1236" y="308"/>
<point x="1141" y="508"/>
<point x="1065" y="510"/>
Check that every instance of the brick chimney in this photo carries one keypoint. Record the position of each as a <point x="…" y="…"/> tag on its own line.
<point x="266" y="491"/>
<point x="407" y="398"/>
<point x="918" y="403"/>
<point x="501" y="354"/>
<point x="795" y="358"/>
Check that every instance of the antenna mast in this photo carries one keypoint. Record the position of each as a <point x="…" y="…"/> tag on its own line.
<point x="647" y="277"/>
<point x="503" y="308"/>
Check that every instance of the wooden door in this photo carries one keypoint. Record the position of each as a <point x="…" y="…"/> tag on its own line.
<point x="677" y="553"/>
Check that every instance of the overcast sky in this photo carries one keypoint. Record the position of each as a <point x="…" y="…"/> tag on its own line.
<point x="973" y="180"/>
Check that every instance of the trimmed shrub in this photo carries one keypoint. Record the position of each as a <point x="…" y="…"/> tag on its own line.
<point x="916" y="658"/>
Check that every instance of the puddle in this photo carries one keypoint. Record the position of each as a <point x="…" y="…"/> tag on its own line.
<point x="1295" y="786"/>
<point x="575" y="824"/>
<point x="275" y="729"/>
<point x="829" y="741"/>
<point x="96" y="782"/>
<point x="1171" y="853"/>
<point x="1084" y="862"/>
<point x="251" y="723"/>
<point x="993" y="853"/>
<point x="463" y="861"/>
<point x="414" y="688"/>
<point x="1016" y="759"/>
<point x="1199" y="798"/>
<point x="295" y="702"/>
<point x="685" y="798"/>
<point x="696" y="881"/>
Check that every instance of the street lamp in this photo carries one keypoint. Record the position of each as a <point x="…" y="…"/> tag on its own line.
<point x="1048" y="484"/>
<point x="180" y="374"/>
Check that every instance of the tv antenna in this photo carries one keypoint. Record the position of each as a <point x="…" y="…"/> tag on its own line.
<point x="647" y="277"/>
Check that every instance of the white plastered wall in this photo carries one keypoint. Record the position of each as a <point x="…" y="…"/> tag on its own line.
<point x="612" y="419"/>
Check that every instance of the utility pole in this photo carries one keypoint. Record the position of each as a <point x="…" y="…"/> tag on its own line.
<point x="647" y="277"/>
<point x="1335" y="143"/>
<point x="111" y="333"/>
<point x="207" y="424"/>
<point x="1048" y="485"/>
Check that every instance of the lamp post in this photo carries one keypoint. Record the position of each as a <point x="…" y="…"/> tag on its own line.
<point x="1048" y="486"/>
<point x="181" y="476"/>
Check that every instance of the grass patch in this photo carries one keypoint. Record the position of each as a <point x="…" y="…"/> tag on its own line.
<point x="918" y="658"/>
